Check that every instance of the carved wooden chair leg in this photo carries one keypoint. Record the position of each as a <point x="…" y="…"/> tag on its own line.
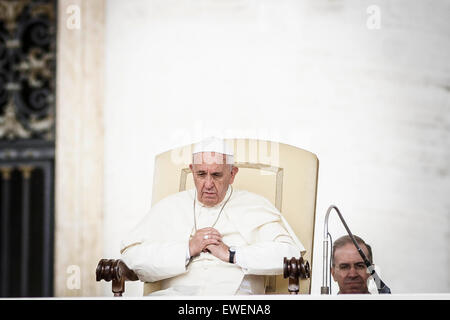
<point x="295" y="269"/>
<point x="117" y="272"/>
<point x="118" y="287"/>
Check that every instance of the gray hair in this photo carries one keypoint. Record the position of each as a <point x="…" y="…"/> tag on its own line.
<point x="342" y="241"/>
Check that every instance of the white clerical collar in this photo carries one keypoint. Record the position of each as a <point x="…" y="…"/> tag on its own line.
<point x="221" y="202"/>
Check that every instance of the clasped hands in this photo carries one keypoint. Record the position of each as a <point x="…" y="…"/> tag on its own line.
<point x="208" y="240"/>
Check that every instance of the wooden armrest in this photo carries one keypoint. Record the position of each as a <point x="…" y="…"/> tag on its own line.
<point x="296" y="269"/>
<point x="117" y="272"/>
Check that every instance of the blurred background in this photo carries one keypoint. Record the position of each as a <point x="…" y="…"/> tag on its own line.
<point x="92" y="90"/>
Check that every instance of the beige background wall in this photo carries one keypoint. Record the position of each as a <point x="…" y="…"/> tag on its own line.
<point x="373" y="104"/>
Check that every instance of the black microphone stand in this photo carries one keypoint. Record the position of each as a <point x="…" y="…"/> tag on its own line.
<point x="381" y="286"/>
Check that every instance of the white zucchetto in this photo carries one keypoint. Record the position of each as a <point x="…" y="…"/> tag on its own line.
<point x="213" y="144"/>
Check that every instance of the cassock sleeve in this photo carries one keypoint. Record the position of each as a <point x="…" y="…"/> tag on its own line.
<point x="156" y="248"/>
<point x="269" y="236"/>
<point x="156" y="261"/>
<point x="265" y="257"/>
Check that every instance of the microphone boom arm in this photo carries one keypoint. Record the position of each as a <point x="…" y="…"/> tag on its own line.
<point x="381" y="286"/>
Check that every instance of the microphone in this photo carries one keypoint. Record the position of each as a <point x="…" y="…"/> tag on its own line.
<point x="325" y="289"/>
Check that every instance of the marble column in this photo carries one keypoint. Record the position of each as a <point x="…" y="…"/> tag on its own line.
<point x="79" y="147"/>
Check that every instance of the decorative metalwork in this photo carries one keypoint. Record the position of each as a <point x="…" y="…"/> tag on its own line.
<point x="27" y="146"/>
<point x="27" y="69"/>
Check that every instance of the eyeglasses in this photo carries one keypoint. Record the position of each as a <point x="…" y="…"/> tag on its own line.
<point x="360" y="266"/>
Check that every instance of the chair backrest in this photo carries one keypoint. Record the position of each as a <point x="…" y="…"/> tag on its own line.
<point x="284" y="174"/>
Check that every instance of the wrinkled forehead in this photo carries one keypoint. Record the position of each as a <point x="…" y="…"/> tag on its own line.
<point x="209" y="158"/>
<point x="349" y="254"/>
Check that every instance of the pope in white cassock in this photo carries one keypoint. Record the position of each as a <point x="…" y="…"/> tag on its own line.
<point x="211" y="240"/>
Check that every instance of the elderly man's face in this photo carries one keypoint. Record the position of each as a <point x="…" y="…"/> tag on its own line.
<point x="212" y="176"/>
<point x="349" y="270"/>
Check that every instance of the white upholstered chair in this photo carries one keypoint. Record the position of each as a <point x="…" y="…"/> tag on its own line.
<point x="284" y="174"/>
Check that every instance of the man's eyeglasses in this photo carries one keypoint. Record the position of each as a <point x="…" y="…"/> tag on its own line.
<point x="360" y="266"/>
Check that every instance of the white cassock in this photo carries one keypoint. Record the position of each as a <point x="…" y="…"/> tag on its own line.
<point x="157" y="248"/>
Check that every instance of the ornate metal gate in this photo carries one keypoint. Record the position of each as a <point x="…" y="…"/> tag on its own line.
<point x="27" y="142"/>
